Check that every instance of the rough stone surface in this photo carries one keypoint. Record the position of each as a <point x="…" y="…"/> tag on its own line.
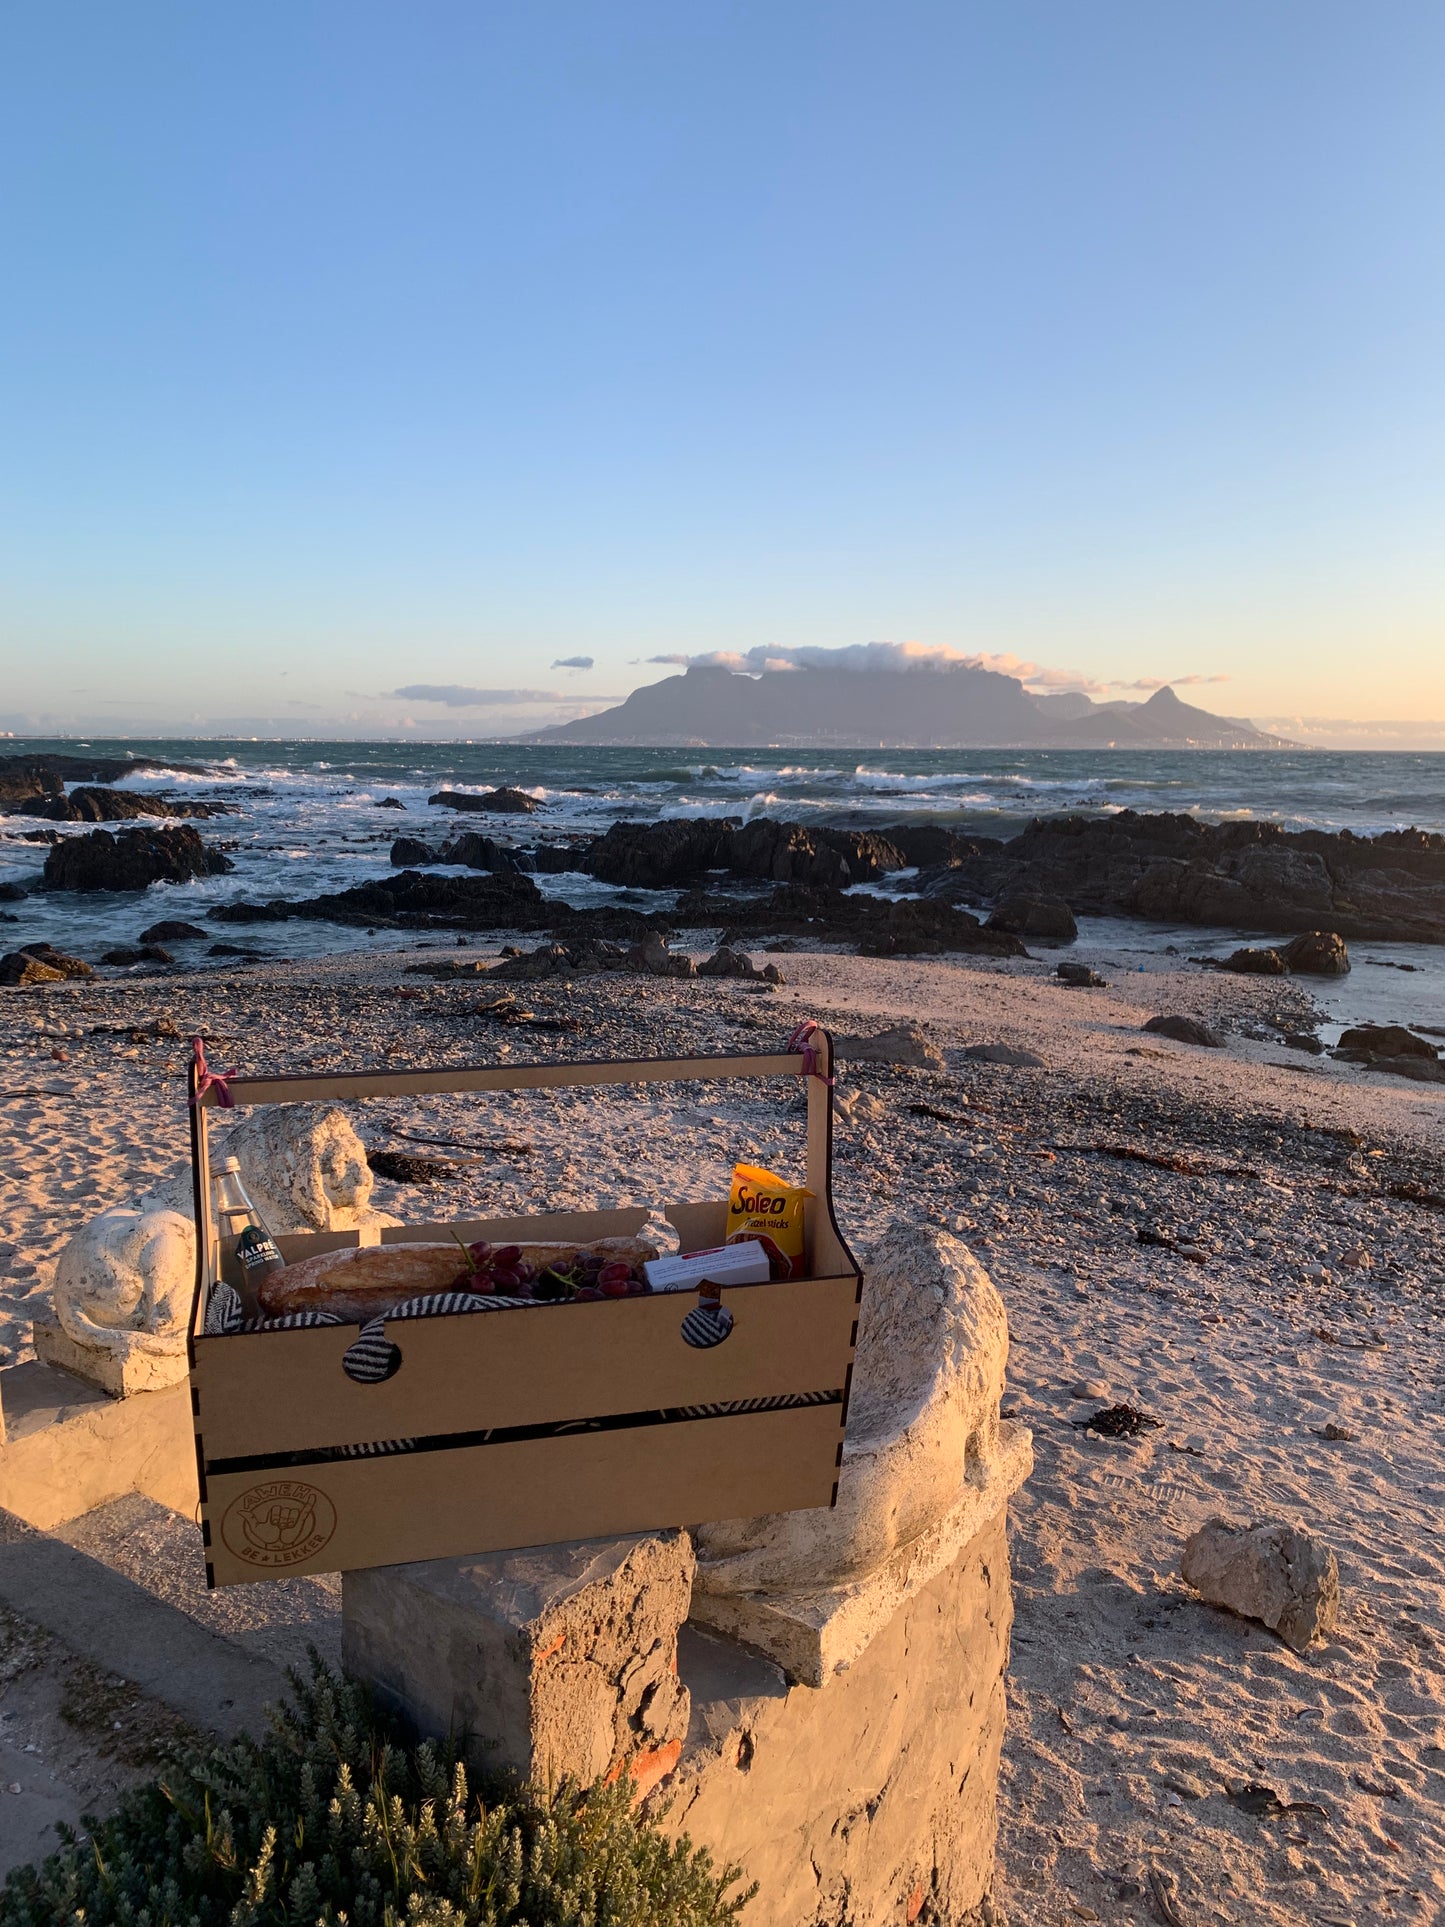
<point x="1242" y="875"/>
<point x="67" y="1447"/>
<point x="726" y="962"/>
<point x="41" y="963"/>
<point x="123" y="1284"/>
<point x="1279" y="1574"/>
<point x="1081" y="976"/>
<point x="876" y="1797"/>
<point x="172" y="930"/>
<point x="407" y="852"/>
<point x="1256" y="963"/>
<point x="88" y="804"/>
<point x="654" y="856"/>
<point x="554" y="1660"/>
<point x="1011" y="1054"/>
<point x="1047" y="917"/>
<point x="303" y="1164"/>
<point x="900" y="1044"/>
<point x="926" y="1463"/>
<point x="132" y="860"/>
<point x="1186" y="1030"/>
<point x="1384" y="1040"/>
<point x="507" y="801"/>
<point x="1317" y="953"/>
<point x="123" y="1289"/>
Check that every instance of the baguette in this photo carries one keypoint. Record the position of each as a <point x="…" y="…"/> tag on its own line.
<point x="361" y="1284"/>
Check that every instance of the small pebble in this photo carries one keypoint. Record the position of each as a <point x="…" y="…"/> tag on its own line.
<point x="1339" y="1433"/>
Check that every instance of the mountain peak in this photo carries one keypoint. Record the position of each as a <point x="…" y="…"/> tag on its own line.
<point x="930" y="706"/>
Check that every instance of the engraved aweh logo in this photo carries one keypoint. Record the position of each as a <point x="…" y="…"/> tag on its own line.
<point x="279" y="1523"/>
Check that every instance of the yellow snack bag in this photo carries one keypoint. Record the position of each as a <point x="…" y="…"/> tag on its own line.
<point x="764" y="1208"/>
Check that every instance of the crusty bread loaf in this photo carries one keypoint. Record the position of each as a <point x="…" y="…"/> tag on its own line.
<point x="361" y="1284"/>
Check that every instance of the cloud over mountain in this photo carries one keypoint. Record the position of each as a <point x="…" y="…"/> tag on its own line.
<point x="1039" y="678"/>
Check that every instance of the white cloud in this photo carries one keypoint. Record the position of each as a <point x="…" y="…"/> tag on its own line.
<point x="885" y="655"/>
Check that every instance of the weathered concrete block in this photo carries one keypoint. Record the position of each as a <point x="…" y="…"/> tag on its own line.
<point x="553" y="1660"/>
<point x="1278" y="1574"/>
<point x="876" y="1796"/>
<point x="65" y="1447"/>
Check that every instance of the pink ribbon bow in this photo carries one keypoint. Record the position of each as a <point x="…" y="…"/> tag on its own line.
<point x="799" y="1042"/>
<point x="209" y="1080"/>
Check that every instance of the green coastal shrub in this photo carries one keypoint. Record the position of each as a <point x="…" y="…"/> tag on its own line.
<point x="331" y="1820"/>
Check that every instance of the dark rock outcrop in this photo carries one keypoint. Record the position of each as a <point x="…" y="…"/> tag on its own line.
<point x="800" y="853"/>
<point x="1390" y="1047"/>
<point x="508" y="801"/>
<point x="1048" y="918"/>
<point x="127" y="954"/>
<point x="26" y="785"/>
<point x="1384" y="1040"/>
<point x="131" y="860"/>
<point x="12" y="893"/>
<point x="727" y="962"/>
<point x="1080" y="976"/>
<point x="553" y="859"/>
<point x="171" y="930"/>
<point x="411" y="900"/>
<point x="41" y="963"/>
<point x="1317" y="953"/>
<point x="787" y="853"/>
<point x="29" y="784"/>
<point x="390" y="803"/>
<point x="91" y="805"/>
<point x="1186" y="1030"/>
<point x="409" y="852"/>
<point x="878" y="926"/>
<point x="930" y="846"/>
<point x="1256" y="963"/>
<point x="1251" y="876"/>
<point x="660" y="856"/>
<point x="479" y="852"/>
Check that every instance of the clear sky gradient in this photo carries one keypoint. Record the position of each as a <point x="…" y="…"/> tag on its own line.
<point x="349" y="347"/>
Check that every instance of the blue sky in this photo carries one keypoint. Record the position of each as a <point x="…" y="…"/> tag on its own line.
<point x="347" y="348"/>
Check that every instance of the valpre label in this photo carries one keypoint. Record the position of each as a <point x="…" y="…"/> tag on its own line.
<point x="279" y="1523"/>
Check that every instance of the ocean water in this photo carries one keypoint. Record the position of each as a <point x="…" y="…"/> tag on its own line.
<point x="308" y="822"/>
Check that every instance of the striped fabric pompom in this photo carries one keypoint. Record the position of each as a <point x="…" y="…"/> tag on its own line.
<point x="291" y="1321"/>
<point x="782" y="1402"/>
<point x="442" y="1305"/>
<point x="223" y="1312"/>
<point x="706" y="1326"/>
<point x="371" y="1357"/>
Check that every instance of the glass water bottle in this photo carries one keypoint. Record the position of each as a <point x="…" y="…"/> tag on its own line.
<point x="248" y="1251"/>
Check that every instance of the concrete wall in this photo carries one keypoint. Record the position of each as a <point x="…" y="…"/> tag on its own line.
<point x="871" y="1799"/>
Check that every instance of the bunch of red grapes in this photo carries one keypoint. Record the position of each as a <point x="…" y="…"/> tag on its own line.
<point x="501" y="1270"/>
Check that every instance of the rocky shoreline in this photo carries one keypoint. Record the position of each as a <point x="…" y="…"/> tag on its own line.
<point x="908" y="889"/>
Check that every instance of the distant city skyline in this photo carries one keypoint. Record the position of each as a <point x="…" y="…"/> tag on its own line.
<point x="350" y="351"/>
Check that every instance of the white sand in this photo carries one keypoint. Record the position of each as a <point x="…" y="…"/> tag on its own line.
<point x="1135" y="1708"/>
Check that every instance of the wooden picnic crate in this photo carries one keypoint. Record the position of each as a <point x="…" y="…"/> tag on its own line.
<point x="529" y="1426"/>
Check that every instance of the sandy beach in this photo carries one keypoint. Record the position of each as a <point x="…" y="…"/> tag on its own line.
<point x="1243" y="1243"/>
